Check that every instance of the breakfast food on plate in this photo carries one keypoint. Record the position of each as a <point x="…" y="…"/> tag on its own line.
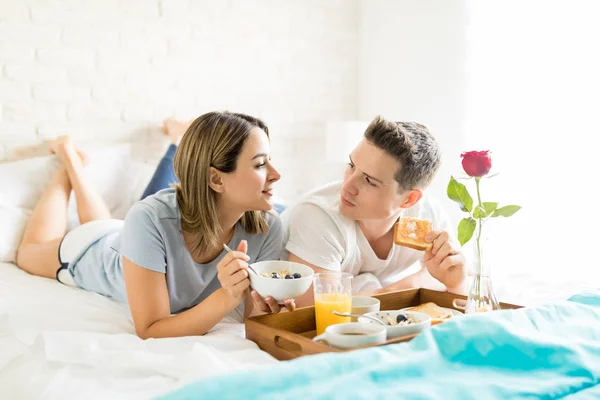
<point x="437" y="313"/>
<point x="283" y="274"/>
<point x="411" y="232"/>
<point x="401" y="319"/>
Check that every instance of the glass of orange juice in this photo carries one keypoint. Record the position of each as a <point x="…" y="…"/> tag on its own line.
<point x="333" y="291"/>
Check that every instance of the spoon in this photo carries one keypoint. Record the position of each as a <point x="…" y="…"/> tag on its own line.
<point x="359" y="315"/>
<point x="229" y="251"/>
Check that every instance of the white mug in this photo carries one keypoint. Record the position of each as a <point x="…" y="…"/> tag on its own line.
<point x="353" y="334"/>
<point x="364" y="304"/>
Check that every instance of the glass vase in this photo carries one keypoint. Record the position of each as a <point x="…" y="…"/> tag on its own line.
<point x="481" y="294"/>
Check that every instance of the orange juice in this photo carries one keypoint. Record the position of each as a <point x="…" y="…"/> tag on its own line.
<point x="325" y="303"/>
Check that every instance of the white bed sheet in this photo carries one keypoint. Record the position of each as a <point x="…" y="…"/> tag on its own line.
<point x="58" y="342"/>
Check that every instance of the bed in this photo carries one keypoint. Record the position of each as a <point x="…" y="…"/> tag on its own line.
<point x="65" y="343"/>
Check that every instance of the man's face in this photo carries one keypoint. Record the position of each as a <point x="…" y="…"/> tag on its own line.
<point x="370" y="190"/>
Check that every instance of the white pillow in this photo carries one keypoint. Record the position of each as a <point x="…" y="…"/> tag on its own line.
<point x="12" y="225"/>
<point x="119" y="180"/>
<point x="24" y="181"/>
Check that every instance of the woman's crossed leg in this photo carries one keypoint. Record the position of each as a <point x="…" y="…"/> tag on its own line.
<point x="39" y="247"/>
<point x="38" y="251"/>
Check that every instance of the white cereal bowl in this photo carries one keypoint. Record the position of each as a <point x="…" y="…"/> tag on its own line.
<point x="281" y="289"/>
<point x="394" y="331"/>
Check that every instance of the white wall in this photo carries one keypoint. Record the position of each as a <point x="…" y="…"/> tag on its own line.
<point x="533" y="99"/>
<point x="412" y="68"/>
<point x="504" y="76"/>
<point x="519" y="78"/>
<point x="112" y="70"/>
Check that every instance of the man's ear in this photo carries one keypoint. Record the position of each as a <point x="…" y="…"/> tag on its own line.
<point x="215" y="180"/>
<point x="413" y="198"/>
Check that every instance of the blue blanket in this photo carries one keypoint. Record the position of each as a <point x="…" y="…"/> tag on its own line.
<point x="544" y="352"/>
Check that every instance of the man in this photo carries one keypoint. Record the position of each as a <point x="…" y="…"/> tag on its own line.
<point x="349" y="226"/>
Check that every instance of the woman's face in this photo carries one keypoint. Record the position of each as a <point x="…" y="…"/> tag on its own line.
<point x="250" y="186"/>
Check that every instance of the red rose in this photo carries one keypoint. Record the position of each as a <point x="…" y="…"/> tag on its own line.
<point x="476" y="163"/>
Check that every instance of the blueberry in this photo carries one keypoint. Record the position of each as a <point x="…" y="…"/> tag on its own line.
<point x="274" y="275"/>
<point x="297" y="275"/>
<point x="288" y="276"/>
<point x="401" y="318"/>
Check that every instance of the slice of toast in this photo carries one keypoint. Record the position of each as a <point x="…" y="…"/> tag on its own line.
<point x="432" y="309"/>
<point x="437" y="313"/>
<point x="411" y="232"/>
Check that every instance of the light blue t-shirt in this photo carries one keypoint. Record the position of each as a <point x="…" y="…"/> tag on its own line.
<point x="152" y="238"/>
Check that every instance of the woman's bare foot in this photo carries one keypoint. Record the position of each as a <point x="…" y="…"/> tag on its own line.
<point x="175" y="129"/>
<point x="64" y="148"/>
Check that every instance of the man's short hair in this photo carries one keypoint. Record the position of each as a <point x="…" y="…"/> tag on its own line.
<point x="411" y="144"/>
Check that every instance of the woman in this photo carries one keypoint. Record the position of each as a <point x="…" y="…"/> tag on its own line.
<point x="167" y="256"/>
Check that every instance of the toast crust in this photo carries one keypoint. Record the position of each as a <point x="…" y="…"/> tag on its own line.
<point x="411" y="232"/>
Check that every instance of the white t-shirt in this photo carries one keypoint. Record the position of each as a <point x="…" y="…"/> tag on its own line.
<point x="316" y="231"/>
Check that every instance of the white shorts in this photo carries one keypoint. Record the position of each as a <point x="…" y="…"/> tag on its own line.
<point x="78" y="240"/>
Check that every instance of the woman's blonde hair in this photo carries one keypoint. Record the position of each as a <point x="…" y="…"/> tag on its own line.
<point x="214" y="139"/>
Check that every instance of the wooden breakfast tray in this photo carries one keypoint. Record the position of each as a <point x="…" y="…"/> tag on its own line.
<point x="288" y="335"/>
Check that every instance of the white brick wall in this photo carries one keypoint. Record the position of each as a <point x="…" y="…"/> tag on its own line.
<point x="115" y="68"/>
